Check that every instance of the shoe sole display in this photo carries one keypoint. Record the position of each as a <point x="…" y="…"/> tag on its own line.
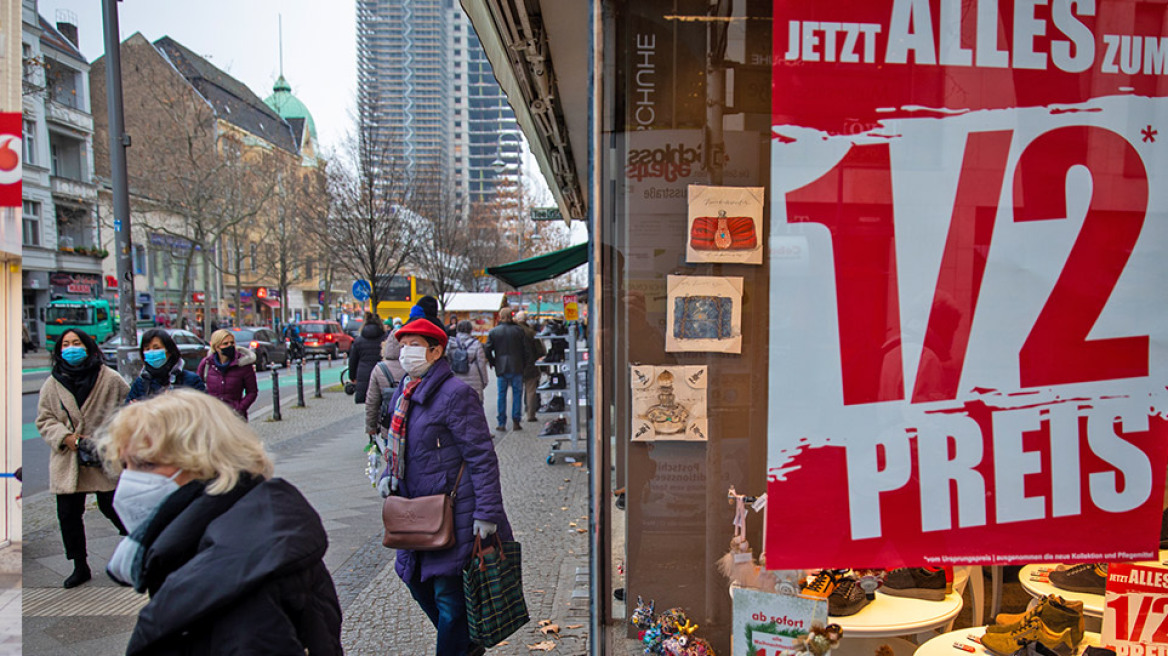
<point x="928" y="594"/>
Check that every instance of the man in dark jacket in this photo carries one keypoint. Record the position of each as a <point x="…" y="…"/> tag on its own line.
<point x="530" y="372"/>
<point x="364" y="354"/>
<point x="508" y="352"/>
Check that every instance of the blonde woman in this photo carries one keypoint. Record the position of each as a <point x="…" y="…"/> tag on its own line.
<point x="75" y="401"/>
<point x="228" y="372"/>
<point x="231" y="558"/>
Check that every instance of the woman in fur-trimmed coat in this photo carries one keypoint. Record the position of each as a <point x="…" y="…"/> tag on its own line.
<point x="77" y="399"/>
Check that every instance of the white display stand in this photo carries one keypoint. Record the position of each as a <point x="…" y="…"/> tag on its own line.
<point x="571" y="368"/>
<point x="942" y="645"/>
<point x="1092" y="603"/>
<point x="897" y="616"/>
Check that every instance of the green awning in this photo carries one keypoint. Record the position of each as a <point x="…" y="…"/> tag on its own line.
<point x="541" y="267"/>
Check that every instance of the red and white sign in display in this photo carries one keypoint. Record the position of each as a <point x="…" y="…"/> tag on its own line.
<point x="969" y="366"/>
<point x="11" y="151"/>
<point x="1135" y="616"/>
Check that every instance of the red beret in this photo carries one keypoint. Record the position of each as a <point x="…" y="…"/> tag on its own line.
<point x="424" y="328"/>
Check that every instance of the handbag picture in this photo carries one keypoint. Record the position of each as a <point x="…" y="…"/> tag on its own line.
<point x="493" y="585"/>
<point x="722" y="233"/>
<point x="422" y="523"/>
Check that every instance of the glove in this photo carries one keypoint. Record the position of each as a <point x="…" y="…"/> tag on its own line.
<point x="484" y="529"/>
<point x="383" y="487"/>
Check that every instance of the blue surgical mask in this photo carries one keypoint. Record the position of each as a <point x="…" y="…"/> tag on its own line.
<point x="155" y="358"/>
<point x="74" y="354"/>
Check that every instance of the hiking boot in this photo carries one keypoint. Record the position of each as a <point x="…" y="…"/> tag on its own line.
<point x="846" y="599"/>
<point x="1034" y="630"/>
<point x="1054" y="611"/>
<point x="916" y="582"/>
<point x="822" y="585"/>
<point x="1090" y="578"/>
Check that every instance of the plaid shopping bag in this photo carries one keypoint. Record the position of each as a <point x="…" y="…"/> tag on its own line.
<point x="493" y="583"/>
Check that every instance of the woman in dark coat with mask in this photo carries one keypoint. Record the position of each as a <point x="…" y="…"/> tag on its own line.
<point x="442" y="426"/>
<point x="232" y="558"/>
<point x="75" y="402"/>
<point x="162" y="367"/>
<point x="365" y="353"/>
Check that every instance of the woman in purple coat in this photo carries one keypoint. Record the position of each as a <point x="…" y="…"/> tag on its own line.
<point x="229" y="373"/>
<point x="439" y="424"/>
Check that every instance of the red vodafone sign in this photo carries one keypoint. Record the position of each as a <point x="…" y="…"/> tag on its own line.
<point x="969" y="364"/>
<point x="10" y="159"/>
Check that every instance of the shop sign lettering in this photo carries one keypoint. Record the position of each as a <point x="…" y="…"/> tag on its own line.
<point x="973" y="357"/>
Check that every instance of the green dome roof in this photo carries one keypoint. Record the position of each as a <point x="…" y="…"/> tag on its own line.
<point x="289" y="106"/>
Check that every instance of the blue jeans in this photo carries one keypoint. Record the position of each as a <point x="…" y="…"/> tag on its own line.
<point x="515" y="382"/>
<point x="444" y="602"/>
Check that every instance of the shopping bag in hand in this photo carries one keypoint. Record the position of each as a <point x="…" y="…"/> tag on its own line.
<point x="373" y="466"/>
<point x="493" y="583"/>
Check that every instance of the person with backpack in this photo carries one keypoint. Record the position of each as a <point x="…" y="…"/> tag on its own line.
<point x="295" y="342"/>
<point x="467" y="360"/>
<point x="385" y="378"/>
<point x="365" y="353"/>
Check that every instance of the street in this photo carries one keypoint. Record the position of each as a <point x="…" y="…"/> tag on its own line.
<point x="36" y="451"/>
<point x="319" y="449"/>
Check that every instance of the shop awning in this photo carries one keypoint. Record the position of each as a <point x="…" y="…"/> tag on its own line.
<point x="270" y="302"/>
<point x="541" y="267"/>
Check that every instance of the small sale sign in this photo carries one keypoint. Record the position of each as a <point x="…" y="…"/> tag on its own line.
<point x="1135" y="616"/>
<point x="968" y="363"/>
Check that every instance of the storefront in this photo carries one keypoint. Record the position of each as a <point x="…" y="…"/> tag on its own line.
<point x="10" y="363"/>
<point x="897" y="265"/>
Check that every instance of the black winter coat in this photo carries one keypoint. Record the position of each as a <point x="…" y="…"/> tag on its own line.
<point x="507" y="349"/>
<point x="238" y="573"/>
<point x="364" y="356"/>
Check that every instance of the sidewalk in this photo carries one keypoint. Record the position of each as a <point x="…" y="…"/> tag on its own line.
<point x="319" y="449"/>
<point x="34" y="370"/>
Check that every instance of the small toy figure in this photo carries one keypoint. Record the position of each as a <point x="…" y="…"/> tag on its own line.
<point x="822" y="639"/>
<point x="670" y="634"/>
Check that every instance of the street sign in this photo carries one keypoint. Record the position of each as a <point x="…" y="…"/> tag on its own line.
<point x="322" y="285"/>
<point x="546" y="214"/>
<point x="362" y="290"/>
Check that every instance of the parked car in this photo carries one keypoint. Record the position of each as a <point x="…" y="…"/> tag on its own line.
<point x="189" y="345"/>
<point x="323" y="336"/>
<point x="268" y="346"/>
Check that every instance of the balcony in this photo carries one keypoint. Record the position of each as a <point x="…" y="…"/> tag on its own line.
<point x="76" y="190"/>
<point x="78" y="263"/>
<point x="69" y="116"/>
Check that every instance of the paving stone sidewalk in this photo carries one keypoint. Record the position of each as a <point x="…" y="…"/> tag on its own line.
<point x="319" y="449"/>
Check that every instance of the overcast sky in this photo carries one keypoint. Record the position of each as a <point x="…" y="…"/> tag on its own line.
<point x="241" y="37"/>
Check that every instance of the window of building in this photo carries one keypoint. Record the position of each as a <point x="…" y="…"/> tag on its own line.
<point x="29" y="142"/>
<point x="308" y="268"/>
<point x="31" y="234"/>
<point x="63" y="83"/>
<point x="139" y="259"/>
<point x="254" y="264"/>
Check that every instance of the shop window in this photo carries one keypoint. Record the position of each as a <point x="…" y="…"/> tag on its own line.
<point x="139" y="259"/>
<point x="31" y="234"/>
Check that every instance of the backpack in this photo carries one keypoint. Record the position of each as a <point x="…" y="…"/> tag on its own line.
<point x="386" y="416"/>
<point x="459" y="357"/>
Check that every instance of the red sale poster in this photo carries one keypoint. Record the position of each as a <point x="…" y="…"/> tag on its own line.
<point x="10" y="158"/>
<point x="1135" y="615"/>
<point x="969" y="364"/>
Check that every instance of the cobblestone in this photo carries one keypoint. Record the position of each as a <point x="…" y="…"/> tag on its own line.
<point x="319" y="449"/>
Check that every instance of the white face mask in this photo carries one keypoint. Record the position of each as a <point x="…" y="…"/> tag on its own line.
<point x="139" y="494"/>
<point x="413" y="360"/>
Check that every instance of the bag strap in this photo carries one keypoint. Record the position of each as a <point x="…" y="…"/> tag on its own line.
<point x="454" y="490"/>
<point x="388" y="374"/>
<point x="72" y="424"/>
<point x="480" y="552"/>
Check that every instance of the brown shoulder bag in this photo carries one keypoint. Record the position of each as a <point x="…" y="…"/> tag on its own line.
<point x="420" y="524"/>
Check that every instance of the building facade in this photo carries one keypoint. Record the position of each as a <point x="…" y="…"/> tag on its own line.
<point x="59" y="236"/>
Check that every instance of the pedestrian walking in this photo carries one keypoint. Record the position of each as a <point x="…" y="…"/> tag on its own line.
<point x="365" y="353"/>
<point x="386" y="376"/>
<point x="530" y="370"/>
<point x="26" y="344"/>
<point x="472" y="363"/>
<point x="232" y="559"/>
<point x="228" y="371"/>
<point x="439" y="429"/>
<point x="508" y="353"/>
<point x="75" y="402"/>
<point x="162" y="367"/>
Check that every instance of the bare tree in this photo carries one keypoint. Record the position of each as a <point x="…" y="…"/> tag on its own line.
<point x="443" y="255"/>
<point x="368" y="234"/>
